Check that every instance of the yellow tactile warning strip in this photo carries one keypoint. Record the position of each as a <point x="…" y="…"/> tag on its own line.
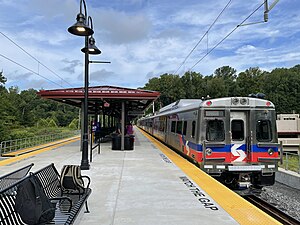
<point x="42" y="148"/>
<point x="240" y="210"/>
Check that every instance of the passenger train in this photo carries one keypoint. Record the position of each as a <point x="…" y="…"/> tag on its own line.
<point x="234" y="139"/>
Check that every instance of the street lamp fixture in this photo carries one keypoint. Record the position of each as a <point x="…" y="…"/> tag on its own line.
<point x="81" y="28"/>
<point x="91" y="48"/>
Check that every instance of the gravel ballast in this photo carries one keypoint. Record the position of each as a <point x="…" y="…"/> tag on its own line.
<point x="284" y="198"/>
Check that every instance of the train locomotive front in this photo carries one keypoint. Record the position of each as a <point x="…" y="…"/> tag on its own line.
<point x="232" y="139"/>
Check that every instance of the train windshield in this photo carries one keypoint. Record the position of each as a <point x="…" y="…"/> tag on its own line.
<point x="237" y="130"/>
<point x="263" y="130"/>
<point x="215" y="130"/>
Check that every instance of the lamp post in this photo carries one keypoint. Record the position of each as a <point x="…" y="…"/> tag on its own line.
<point x="82" y="28"/>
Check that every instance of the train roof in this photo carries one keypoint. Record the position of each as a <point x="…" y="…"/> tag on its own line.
<point x="238" y="102"/>
<point x="226" y="102"/>
<point x="182" y="103"/>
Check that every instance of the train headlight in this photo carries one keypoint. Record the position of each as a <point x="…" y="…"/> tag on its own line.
<point x="235" y="101"/>
<point x="208" y="151"/>
<point x="243" y="101"/>
<point x="270" y="151"/>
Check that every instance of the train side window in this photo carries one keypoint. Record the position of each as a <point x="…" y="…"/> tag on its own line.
<point x="263" y="130"/>
<point x="179" y="127"/>
<point x="237" y="130"/>
<point x="215" y="130"/>
<point x="173" y="126"/>
<point x="193" y="129"/>
<point x="184" y="127"/>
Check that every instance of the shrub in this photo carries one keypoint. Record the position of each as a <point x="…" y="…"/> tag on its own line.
<point x="73" y="125"/>
<point x="42" y="123"/>
<point x="52" y="123"/>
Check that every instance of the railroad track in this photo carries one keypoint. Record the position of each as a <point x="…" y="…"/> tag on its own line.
<point x="271" y="210"/>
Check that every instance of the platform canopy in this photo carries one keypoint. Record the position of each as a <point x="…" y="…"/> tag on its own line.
<point x="105" y="98"/>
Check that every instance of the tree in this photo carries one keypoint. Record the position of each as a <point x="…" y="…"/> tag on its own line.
<point x="282" y="87"/>
<point x="74" y="124"/>
<point x="29" y="100"/>
<point x="216" y="87"/>
<point x="4" y="134"/>
<point x="249" y="81"/>
<point x="228" y="75"/>
<point x="193" y="85"/>
<point x="2" y="78"/>
<point x="169" y="86"/>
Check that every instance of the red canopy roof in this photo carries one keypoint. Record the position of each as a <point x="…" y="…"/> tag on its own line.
<point x="137" y="100"/>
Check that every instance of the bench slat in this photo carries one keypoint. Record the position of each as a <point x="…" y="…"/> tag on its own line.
<point x="11" y="178"/>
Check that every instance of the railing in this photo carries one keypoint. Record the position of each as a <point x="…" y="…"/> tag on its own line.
<point x="291" y="161"/>
<point x="17" y="144"/>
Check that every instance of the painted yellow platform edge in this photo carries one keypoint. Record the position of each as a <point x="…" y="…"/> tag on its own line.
<point x="240" y="210"/>
<point x="30" y="154"/>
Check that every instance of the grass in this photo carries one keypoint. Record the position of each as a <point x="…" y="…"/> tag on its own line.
<point x="291" y="162"/>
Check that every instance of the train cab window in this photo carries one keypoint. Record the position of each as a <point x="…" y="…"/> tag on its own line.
<point x="263" y="130"/>
<point x="184" y="127"/>
<point x="237" y="130"/>
<point x="173" y="126"/>
<point x="193" y="129"/>
<point x="179" y="127"/>
<point x="215" y="130"/>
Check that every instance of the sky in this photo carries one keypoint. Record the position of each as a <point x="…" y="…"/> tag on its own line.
<point x="142" y="39"/>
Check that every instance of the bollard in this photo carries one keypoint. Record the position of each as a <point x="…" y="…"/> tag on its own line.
<point x="299" y="160"/>
<point x="286" y="161"/>
<point x="281" y="153"/>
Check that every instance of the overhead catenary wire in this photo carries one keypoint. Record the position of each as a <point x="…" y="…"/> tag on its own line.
<point x="30" y="70"/>
<point x="223" y="39"/>
<point x="205" y="34"/>
<point x="39" y="62"/>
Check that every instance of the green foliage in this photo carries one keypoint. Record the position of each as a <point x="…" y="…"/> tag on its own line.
<point x="196" y="85"/>
<point x="42" y="123"/>
<point x="250" y="81"/>
<point x="281" y="86"/>
<point x="291" y="162"/>
<point x="170" y="87"/>
<point x="20" y="134"/>
<point x="2" y="79"/>
<point x="52" y="123"/>
<point x="26" y="109"/>
<point x="74" y="124"/>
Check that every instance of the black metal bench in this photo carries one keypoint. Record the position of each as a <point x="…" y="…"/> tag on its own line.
<point x="68" y="207"/>
<point x="11" y="178"/>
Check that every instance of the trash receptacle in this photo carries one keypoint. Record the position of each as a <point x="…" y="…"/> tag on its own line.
<point x="128" y="142"/>
<point x="116" y="143"/>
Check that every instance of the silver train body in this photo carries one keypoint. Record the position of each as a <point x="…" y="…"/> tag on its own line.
<point x="233" y="139"/>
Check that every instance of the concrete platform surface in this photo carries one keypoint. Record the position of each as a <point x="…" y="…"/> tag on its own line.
<point x="137" y="187"/>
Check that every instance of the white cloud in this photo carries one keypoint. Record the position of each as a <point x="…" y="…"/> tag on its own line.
<point x="120" y="28"/>
<point x="246" y="49"/>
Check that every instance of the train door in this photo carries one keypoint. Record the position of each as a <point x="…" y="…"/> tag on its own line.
<point x="239" y="132"/>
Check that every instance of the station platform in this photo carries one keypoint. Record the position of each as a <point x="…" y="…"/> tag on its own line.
<point x="150" y="185"/>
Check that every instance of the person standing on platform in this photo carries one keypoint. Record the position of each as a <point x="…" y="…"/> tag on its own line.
<point x="118" y="128"/>
<point x="129" y="129"/>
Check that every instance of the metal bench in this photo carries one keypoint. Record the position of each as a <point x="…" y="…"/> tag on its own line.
<point x="68" y="207"/>
<point x="11" y="178"/>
